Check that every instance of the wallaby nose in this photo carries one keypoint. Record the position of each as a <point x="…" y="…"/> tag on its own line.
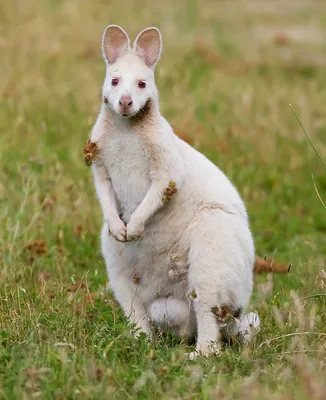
<point x="125" y="102"/>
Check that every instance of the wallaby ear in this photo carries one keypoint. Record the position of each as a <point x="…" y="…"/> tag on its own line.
<point x="148" y="46"/>
<point x="115" y="43"/>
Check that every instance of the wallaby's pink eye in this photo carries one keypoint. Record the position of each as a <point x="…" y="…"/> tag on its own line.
<point x="142" y="84"/>
<point x="114" y="81"/>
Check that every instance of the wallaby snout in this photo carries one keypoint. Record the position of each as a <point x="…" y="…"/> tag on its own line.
<point x="125" y="104"/>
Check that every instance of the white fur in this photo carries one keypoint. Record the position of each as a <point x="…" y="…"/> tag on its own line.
<point x="204" y="224"/>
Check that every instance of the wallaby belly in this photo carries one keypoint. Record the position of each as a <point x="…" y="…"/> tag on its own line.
<point x="127" y="166"/>
<point x="147" y="262"/>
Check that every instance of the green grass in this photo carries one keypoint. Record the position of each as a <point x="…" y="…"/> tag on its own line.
<point x="225" y="85"/>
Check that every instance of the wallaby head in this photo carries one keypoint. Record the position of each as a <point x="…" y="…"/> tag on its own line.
<point x="129" y="86"/>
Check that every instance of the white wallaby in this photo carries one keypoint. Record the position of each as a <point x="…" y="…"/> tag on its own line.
<point x="176" y="238"/>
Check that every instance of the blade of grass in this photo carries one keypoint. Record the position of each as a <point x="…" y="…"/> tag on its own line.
<point x="321" y="200"/>
<point x="312" y="145"/>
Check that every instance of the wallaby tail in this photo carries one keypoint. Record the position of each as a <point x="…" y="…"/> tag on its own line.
<point x="270" y="265"/>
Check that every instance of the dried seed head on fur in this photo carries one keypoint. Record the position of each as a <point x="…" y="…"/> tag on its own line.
<point x="90" y="152"/>
<point x="174" y="258"/>
<point x="169" y="192"/>
<point x="192" y="295"/>
<point x="224" y="313"/>
<point x="136" y="279"/>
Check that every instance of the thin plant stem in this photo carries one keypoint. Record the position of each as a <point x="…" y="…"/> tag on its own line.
<point x="312" y="145"/>
<point x="321" y="200"/>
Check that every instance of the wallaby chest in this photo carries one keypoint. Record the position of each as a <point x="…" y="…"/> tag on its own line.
<point x="128" y="168"/>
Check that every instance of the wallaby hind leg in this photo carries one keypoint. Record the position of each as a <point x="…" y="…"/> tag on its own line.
<point x="220" y="275"/>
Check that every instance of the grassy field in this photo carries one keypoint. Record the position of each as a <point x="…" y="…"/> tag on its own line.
<point x="228" y="72"/>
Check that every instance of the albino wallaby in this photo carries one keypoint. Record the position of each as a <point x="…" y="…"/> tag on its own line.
<point x="176" y="237"/>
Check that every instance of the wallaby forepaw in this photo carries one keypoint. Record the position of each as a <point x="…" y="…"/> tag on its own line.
<point x="135" y="230"/>
<point x="118" y="230"/>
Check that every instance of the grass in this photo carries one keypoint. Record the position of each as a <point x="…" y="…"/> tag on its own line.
<point x="229" y="71"/>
